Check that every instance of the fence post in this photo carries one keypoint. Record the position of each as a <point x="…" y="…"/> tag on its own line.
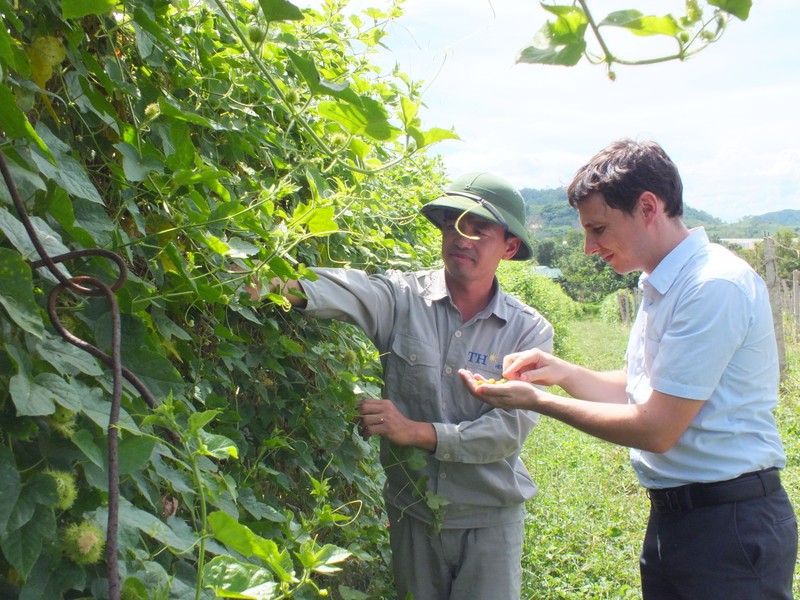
<point x="796" y="303"/>
<point x="773" y="286"/>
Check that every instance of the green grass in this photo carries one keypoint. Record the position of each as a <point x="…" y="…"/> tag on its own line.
<point x="584" y="530"/>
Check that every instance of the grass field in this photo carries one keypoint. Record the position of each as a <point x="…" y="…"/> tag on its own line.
<point x="584" y="529"/>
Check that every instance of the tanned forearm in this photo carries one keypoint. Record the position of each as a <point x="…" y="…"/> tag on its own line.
<point x="595" y="386"/>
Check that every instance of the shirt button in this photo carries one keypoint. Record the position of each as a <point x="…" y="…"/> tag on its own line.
<point x="458" y="333"/>
<point x="412" y="357"/>
<point x="442" y="475"/>
<point x="448" y="370"/>
<point x="447" y="456"/>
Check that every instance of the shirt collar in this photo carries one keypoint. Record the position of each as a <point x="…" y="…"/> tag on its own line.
<point x="665" y="273"/>
<point x="436" y="290"/>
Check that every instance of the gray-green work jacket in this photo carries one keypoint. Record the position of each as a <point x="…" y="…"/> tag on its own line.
<point x="423" y="343"/>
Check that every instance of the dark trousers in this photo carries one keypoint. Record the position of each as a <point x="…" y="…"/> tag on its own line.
<point x="735" y="551"/>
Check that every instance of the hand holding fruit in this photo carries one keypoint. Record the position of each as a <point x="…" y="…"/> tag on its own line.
<point x="500" y="394"/>
<point x="535" y="366"/>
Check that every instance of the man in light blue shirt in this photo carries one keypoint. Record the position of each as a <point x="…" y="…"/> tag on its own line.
<point x="695" y="400"/>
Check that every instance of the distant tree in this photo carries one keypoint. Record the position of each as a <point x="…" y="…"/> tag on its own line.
<point x="787" y="252"/>
<point x="547" y="252"/>
<point x="584" y="278"/>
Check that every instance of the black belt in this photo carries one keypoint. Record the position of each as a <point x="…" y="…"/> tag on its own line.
<point x="698" y="495"/>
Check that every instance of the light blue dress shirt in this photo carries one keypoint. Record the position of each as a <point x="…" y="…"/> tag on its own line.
<point x="704" y="331"/>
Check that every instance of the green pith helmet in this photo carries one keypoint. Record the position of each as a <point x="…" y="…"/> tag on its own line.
<point x="489" y="197"/>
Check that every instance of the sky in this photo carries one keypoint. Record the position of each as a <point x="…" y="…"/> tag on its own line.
<point x="729" y="117"/>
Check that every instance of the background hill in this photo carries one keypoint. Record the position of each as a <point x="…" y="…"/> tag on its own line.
<point x="549" y="215"/>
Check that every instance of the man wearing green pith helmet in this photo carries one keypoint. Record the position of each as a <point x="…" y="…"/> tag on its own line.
<point x="427" y="325"/>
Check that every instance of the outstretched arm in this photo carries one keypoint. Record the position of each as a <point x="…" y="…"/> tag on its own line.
<point x="654" y="425"/>
<point x="278" y="286"/>
<point x="542" y="368"/>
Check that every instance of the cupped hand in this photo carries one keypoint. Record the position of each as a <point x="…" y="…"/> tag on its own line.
<point x="511" y="394"/>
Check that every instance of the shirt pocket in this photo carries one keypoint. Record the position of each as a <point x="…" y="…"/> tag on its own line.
<point x="413" y="368"/>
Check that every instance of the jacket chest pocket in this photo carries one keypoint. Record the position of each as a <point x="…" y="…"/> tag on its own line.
<point x="412" y="369"/>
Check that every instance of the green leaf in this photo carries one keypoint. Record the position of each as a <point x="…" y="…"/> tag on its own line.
<point x="87" y="222"/>
<point x="85" y="442"/>
<point x="559" y="42"/>
<point x="240" y="538"/>
<point x="29" y="398"/>
<point x="16" y="233"/>
<point x="369" y="118"/>
<point x="319" y="85"/>
<point x="280" y="267"/>
<point x="180" y="539"/>
<point x="10" y="488"/>
<point x="66" y="358"/>
<point x="318" y="219"/>
<point x="178" y="147"/>
<point x="50" y="579"/>
<point x="134" y="453"/>
<point x="135" y="166"/>
<point x="321" y="559"/>
<point x="218" y="446"/>
<point x="66" y="172"/>
<point x="16" y="293"/>
<point x="169" y="108"/>
<point x="38" y="397"/>
<point x="89" y="99"/>
<point x="76" y="9"/>
<point x="40" y="491"/>
<point x="259" y="510"/>
<point x="280" y="10"/>
<point x="28" y="182"/>
<point x="199" y="420"/>
<point x="738" y="8"/>
<point x="408" y="111"/>
<point x="97" y="406"/>
<point x="230" y="578"/>
<point x="424" y="139"/>
<point x="23" y="546"/>
<point x="10" y="53"/>
<point x="155" y="372"/>
<point x="12" y="120"/>
<point x="640" y="24"/>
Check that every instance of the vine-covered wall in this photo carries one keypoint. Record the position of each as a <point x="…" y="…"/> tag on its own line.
<point x="204" y="144"/>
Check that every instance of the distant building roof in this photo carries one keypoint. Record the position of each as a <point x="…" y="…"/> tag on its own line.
<point x="745" y="243"/>
<point x="550" y="272"/>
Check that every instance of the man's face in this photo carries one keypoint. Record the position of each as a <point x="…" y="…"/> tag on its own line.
<point x="474" y="247"/>
<point x="612" y="234"/>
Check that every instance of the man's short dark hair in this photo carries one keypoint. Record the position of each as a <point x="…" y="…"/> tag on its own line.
<point x="623" y="171"/>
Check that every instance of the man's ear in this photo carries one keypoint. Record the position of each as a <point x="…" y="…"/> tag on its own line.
<point x="649" y="205"/>
<point x="513" y="244"/>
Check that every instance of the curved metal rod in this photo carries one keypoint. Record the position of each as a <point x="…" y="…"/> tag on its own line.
<point x="91" y="286"/>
